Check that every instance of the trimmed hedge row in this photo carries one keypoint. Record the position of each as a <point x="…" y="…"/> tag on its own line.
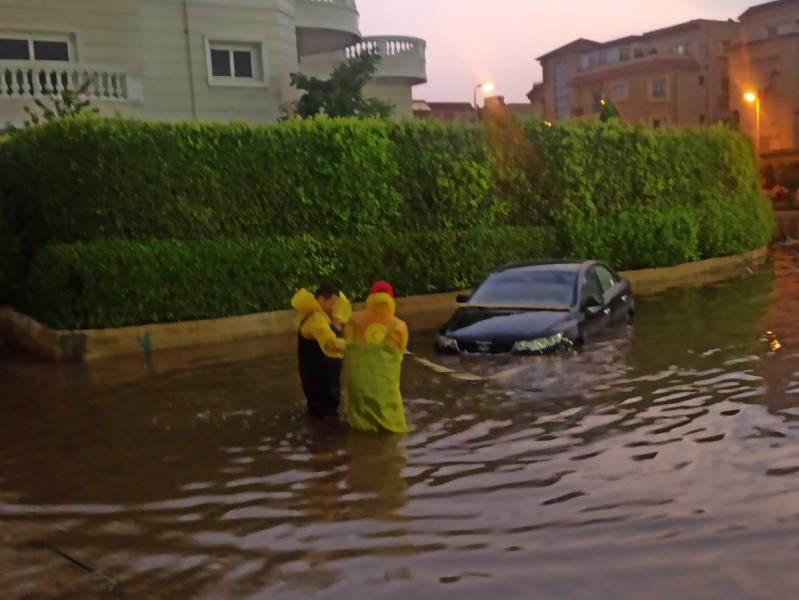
<point x="114" y="283"/>
<point x="80" y="180"/>
<point x="114" y="222"/>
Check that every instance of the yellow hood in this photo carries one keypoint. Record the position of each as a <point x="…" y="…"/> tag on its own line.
<point x="382" y="301"/>
<point x="305" y="302"/>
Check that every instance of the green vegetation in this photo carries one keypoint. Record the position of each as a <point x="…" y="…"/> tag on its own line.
<point x="341" y="95"/>
<point x="126" y="222"/>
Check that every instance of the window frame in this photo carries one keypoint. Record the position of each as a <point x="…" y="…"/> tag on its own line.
<point x="232" y="44"/>
<point x="620" y="84"/>
<point x="31" y="37"/>
<point x="613" y="275"/>
<point x="666" y="89"/>
<point x="663" y="122"/>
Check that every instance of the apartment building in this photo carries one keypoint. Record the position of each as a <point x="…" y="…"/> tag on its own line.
<point x="765" y="62"/>
<point x="694" y="73"/>
<point x="175" y="60"/>
<point x="664" y="77"/>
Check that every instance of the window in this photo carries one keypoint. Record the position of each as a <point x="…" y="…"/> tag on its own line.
<point x="680" y="50"/>
<point x="701" y="80"/>
<point x="659" y="88"/>
<point x="235" y="63"/>
<point x="620" y="91"/>
<point x="562" y="100"/>
<point x="660" y="122"/>
<point x="652" y="51"/>
<point x="607" y="278"/>
<point x="702" y="119"/>
<point x="36" y="47"/>
<point x="590" y="286"/>
<point x="725" y="85"/>
<point x="624" y="53"/>
<point x="638" y="53"/>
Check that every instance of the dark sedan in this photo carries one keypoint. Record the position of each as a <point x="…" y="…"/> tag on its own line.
<point x="537" y="308"/>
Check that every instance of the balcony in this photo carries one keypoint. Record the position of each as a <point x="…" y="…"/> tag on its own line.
<point x="326" y="25"/>
<point x="402" y="59"/>
<point x="26" y="80"/>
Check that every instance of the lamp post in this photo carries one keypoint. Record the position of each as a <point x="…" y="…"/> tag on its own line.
<point x="487" y="88"/>
<point x="753" y="98"/>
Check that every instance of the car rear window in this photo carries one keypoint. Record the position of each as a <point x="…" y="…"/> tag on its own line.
<point x="528" y="288"/>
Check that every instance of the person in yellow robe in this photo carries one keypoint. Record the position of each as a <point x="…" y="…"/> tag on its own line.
<point x="376" y="344"/>
<point x="320" y="319"/>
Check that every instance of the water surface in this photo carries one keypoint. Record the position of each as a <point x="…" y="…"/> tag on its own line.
<point x="662" y="461"/>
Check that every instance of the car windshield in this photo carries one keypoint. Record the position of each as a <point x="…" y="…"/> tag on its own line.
<point x="528" y="288"/>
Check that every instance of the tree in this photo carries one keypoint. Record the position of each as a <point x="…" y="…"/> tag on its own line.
<point x="342" y="94"/>
<point x="609" y="111"/>
<point x="69" y="103"/>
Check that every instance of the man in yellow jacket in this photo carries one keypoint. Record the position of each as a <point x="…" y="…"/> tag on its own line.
<point x="319" y="347"/>
<point x="376" y="344"/>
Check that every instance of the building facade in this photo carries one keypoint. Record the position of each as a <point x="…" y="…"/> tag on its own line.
<point x="766" y="62"/>
<point x="176" y="60"/>
<point x="691" y="74"/>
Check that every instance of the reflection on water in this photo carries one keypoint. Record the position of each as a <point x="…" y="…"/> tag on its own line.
<point x="661" y="461"/>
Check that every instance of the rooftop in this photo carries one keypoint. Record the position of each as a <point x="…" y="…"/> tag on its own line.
<point x="768" y="6"/>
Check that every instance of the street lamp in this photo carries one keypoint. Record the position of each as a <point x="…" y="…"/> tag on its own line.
<point x="487" y="88"/>
<point x="753" y="98"/>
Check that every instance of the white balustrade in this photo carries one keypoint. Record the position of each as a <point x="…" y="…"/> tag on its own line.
<point x="344" y="3"/>
<point x="385" y="46"/>
<point x="21" y="80"/>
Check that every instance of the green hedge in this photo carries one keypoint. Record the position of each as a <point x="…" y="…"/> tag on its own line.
<point x="115" y="283"/>
<point x="351" y="199"/>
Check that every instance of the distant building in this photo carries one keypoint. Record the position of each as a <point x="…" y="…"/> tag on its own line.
<point x="766" y="62"/>
<point x="444" y="111"/>
<point x="691" y="74"/>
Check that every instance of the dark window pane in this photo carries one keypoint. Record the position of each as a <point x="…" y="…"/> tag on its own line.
<point x="532" y="288"/>
<point x="51" y="50"/>
<point x="243" y="64"/>
<point x="220" y="63"/>
<point x="14" y="49"/>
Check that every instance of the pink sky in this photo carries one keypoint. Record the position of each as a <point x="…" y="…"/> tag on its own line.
<point x="469" y="41"/>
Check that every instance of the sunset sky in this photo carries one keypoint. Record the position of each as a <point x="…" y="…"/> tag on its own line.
<point x="469" y="41"/>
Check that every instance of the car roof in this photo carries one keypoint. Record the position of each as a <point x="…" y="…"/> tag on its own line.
<point x="568" y="266"/>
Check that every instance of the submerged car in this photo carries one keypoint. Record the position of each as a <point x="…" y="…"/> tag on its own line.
<point x="536" y="308"/>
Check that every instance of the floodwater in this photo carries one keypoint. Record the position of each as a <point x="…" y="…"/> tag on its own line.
<point x="661" y="462"/>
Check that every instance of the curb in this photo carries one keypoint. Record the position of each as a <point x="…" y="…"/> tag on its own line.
<point x="420" y="312"/>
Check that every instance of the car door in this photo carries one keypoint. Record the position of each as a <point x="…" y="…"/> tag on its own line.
<point x="615" y="292"/>
<point x="595" y="318"/>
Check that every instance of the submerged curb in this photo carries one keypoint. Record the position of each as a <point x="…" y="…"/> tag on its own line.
<point x="420" y="312"/>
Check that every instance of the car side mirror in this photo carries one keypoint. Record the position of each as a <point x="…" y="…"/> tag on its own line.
<point x="463" y="298"/>
<point x="594" y="302"/>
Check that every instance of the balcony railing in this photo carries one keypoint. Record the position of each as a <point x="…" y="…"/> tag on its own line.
<point x="401" y="58"/>
<point x="25" y="80"/>
<point x="388" y="46"/>
<point x="344" y="3"/>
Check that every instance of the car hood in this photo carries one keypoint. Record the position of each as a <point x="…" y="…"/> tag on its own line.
<point x="505" y="324"/>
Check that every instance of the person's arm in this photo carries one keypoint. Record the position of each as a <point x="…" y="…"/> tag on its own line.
<point x="318" y="328"/>
<point x="400" y="337"/>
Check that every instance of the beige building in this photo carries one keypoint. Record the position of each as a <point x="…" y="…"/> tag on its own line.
<point x="766" y="62"/>
<point x="676" y="75"/>
<point x="175" y="60"/>
<point x="695" y="73"/>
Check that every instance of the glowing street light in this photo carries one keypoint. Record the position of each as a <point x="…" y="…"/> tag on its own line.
<point x="753" y="98"/>
<point x="486" y="88"/>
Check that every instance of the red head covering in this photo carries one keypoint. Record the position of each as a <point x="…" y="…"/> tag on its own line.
<point x="382" y="287"/>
